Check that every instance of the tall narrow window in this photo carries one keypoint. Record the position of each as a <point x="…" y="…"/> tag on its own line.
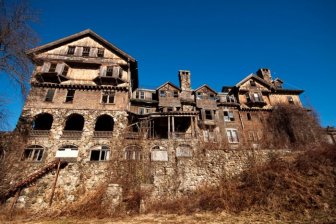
<point x="107" y="97"/>
<point x="208" y="115"/>
<point x="52" y="67"/>
<point x="249" y="117"/>
<point x="65" y="70"/>
<point x="50" y="95"/>
<point x="232" y="135"/>
<point x="70" y="96"/>
<point x="71" y="50"/>
<point x="142" y="95"/>
<point x="100" y="52"/>
<point x="109" y="71"/>
<point x="86" y="51"/>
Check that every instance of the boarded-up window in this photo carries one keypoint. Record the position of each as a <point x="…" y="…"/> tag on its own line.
<point x="50" y="95"/>
<point x="184" y="150"/>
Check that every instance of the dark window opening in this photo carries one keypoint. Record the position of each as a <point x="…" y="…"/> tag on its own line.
<point x="208" y="115"/>
<point x="52" y="67"/>
<point x="249" y="117"/>
<point x="70" y="96"/>
<point x="50" y="95"/>
<point x="175" y="94"/>
<point x="109" y="71"/>
<point x="71" y="50"/>
<point x="100" y="52"/>
<point x="107" y="97"/>
<point x="75" y="122"/>
<point x="32" y="153"/>
<point x="86" y="51"/>
<point x="100" y="154"/>
<point x="252" y="83"/>
<point x="65" y="70"/>
<point x="104" y="123"/>
<point x="43" y="122"/>
<point x="169" y="109"/>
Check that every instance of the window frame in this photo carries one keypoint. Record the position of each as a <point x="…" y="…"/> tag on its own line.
<point x="69" y="98"/>
<point x="229" y="117"/>
<point x="86" y="51"/>
<point x="71" y="50"/>
<point x="36" y="154"/>
<point x="52" y="67"/>
<point x="231" y="138"/>
<point x="101" y="149"/>
<point x="108" y="96"/>
<point x="100" y="52"/>
<point x="109" y="71"/>
<point x="49" y="98"/>
<point x="65" y="70"/>
<point x="206" y="115"/>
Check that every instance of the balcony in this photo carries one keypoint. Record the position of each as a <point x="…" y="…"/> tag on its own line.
<point x="72" y="134"/>
<point x="102" y="134"/>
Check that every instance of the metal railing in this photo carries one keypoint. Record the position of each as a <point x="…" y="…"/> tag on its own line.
<point x="102" y="134"/>
<point x="39" y="133"/>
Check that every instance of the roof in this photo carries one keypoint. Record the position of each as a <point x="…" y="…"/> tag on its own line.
<point x="205" y="85"/>
<point x="77" y="36"/>
<point x="254" y="77"/>
<point x="169" y="84"/>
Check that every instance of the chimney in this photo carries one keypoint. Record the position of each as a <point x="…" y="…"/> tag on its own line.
<point x="265" y="74"/>
<point x="184" y="76"/>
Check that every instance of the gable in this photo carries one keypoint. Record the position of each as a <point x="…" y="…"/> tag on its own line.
<point x="205" y="89"/>
<point x="168" y="87"/>
<point x="259" y="84"/>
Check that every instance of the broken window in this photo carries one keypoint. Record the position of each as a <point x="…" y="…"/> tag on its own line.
<point x="52" y="67"/>
<point x="100" y="52"/>
<point x="107" y="97"/>
<point x="65" y="70"/>
<point x="50" y="95"/>
<point x="75" y="122"/>
<point x="33" y="153"/>
<point x="71" y="50"/>
<point x="86" y="51"/>
<point x="104" y="123"/>
<point x="70" y="96"/>
<point x="100" y="153"/>
<point x="208" y="115"/>
<point x="290" y="99"/>
<point x="43" y="122"/>
<point x="228" y="116"/>
<point x="232" y="135"/>
<point x="133" y="152"/>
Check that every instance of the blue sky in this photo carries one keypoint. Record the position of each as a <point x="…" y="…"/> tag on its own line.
<point x="220" y="42"/>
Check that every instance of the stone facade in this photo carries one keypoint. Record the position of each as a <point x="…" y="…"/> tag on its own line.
<point x="85" y="107"/>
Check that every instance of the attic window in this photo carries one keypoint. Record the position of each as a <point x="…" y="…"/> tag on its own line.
<point x="86" y="51"/>
<point x="100" y="52"/>
<point x="175" y="94"/>
<point x="52" y="67"/>
<point x="252" y="83"/>
<point x="71" y="50"/>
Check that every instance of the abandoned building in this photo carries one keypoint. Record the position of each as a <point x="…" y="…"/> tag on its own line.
<point x="85" y="106"/>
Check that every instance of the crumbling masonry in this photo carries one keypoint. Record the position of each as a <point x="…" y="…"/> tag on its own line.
<point x="85" y="108"/>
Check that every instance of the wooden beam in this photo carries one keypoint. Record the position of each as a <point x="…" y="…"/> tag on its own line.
<point x="54" y="185"/>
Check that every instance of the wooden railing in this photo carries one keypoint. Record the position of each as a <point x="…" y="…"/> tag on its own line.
<point x="72" y="134"/>
<point x="39" y="133"/>
<point x="102" y="134"/>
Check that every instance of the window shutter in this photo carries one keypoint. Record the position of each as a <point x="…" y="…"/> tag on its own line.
<point x="93" y="52"/>
<point x="102" y="71"/>
<point x="59" y="68"/>
<point x="78" y="51"/>
<point x="46" y="67"/>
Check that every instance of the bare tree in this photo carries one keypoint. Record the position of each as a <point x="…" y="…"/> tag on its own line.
<point x="16" y="36"/>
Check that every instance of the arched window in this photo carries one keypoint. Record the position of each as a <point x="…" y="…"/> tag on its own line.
<point x="67" y="151"/>
<point x="33" y="153"/>
<point x="133" y="152"/>
<point x="100" y="153"/>
<point x="104" y="123"/>
<point x="159" y="153"/>
<point x="43" y="122"/>
<point x="74" y="122"/>
<point x="184" y="150"/>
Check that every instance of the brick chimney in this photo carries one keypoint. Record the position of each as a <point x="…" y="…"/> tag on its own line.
<point x="184" y="76"/>
<point x="265" y="74"/>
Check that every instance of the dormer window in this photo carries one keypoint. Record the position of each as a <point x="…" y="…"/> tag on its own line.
<point x="71" y="50"/>
<point x="100" y="52"/>
<point x="52" y="67"/>
<point x="86" y="51"/>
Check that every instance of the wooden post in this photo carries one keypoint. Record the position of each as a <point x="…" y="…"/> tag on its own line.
<point x="54" y="185"/>
<point x="17" y="194"/>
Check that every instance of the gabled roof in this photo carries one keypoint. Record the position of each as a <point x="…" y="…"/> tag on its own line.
<point x="77" y="36"/>
<point x="205" y="85"/>
<point x="169" y="84"/>
<point x="254" y="77"/>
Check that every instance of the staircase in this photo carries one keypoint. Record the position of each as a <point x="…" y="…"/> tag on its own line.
<point x="32" y="178"/>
